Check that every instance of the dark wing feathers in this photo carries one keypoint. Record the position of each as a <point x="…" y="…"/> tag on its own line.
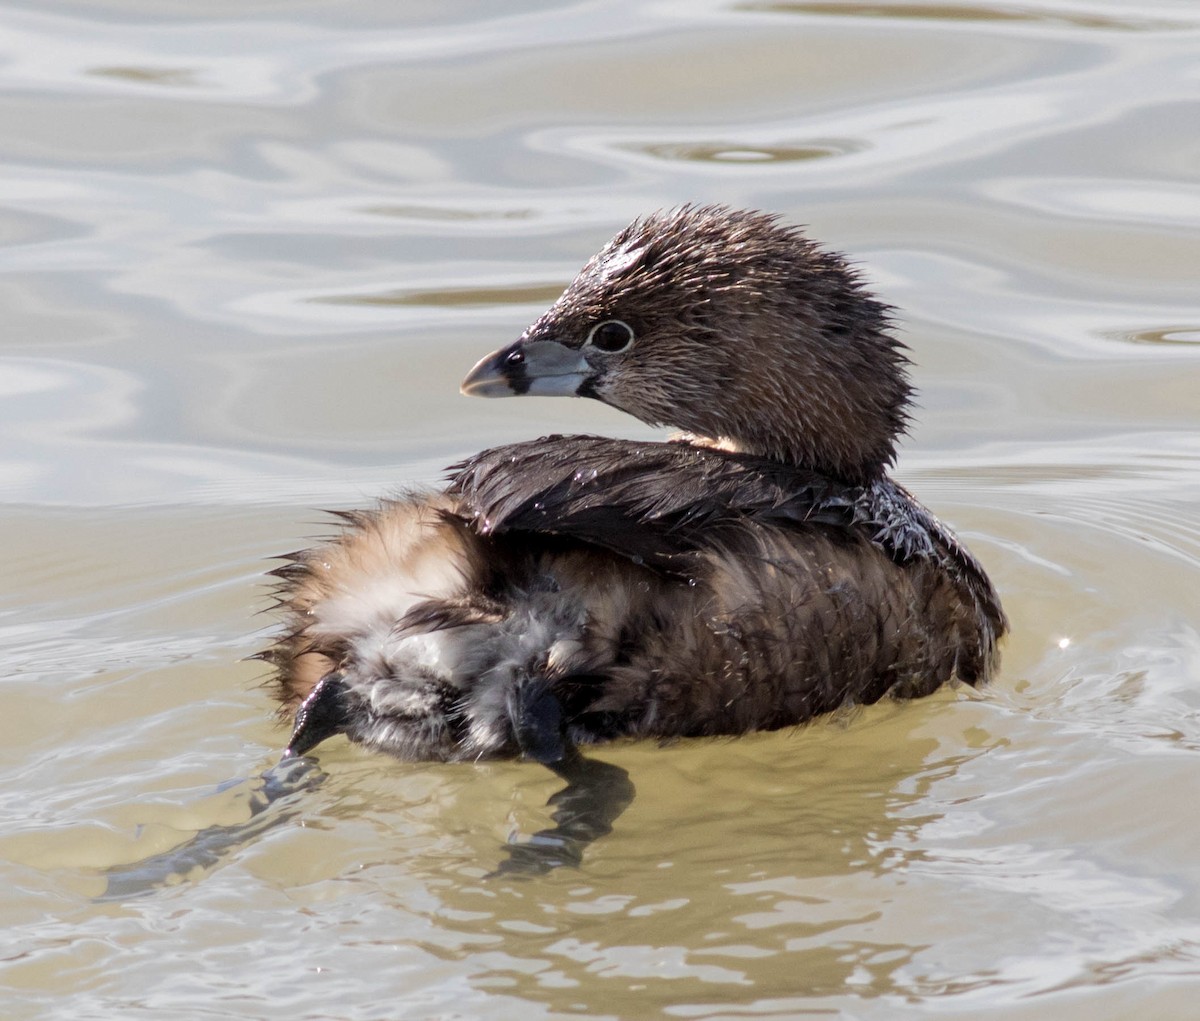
<point x="650" y="502"/>
<point x="659" y="503"/>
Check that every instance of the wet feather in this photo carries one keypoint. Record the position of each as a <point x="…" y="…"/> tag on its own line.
<point x="576" y="589"/>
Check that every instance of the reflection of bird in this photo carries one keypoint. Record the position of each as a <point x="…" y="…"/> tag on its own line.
<point x="759" y="571"/>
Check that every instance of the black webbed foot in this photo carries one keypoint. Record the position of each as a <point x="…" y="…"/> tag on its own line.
<point x="585" y="810"/>
<point x="321" y="715"/>
<point x="537" y="721"/>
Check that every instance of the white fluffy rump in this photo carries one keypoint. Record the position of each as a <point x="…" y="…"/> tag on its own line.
<point x="398" y="604"/>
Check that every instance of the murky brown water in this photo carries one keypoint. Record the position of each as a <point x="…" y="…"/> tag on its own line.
<point x="246" y="252"/>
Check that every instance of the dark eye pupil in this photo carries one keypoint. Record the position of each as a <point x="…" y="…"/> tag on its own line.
<point x="612" y="336"/>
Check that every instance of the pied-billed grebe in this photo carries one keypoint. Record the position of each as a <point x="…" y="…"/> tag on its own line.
<point x="575" y="589"/>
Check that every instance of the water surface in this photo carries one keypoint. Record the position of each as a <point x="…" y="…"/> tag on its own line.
<point x="247" y="250"/>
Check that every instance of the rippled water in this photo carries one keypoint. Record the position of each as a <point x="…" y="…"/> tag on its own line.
<point x="248" y="249"/>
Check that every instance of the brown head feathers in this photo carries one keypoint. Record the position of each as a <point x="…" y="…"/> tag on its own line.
<point x="734" y="327"/>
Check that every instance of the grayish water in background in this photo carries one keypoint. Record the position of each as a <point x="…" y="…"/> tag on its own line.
<point x="247" y="250"/>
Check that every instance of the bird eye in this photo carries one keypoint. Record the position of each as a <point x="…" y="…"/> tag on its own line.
<point x="611" y="336"/>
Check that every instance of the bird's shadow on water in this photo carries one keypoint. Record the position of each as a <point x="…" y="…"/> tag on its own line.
<point x="585" y="810"/>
